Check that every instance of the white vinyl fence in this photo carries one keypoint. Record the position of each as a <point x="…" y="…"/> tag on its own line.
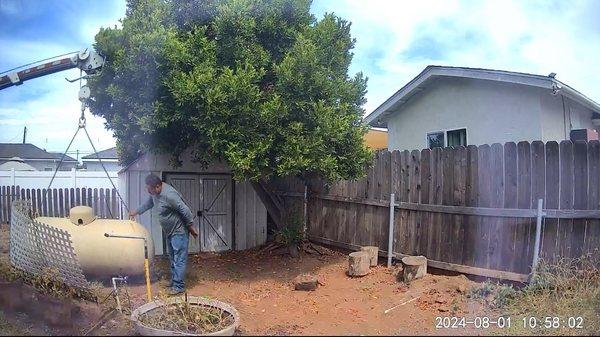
<point x="57" y="202"/>
<point x="63" y="179"/>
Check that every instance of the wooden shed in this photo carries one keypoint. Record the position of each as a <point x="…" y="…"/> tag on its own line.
<point x="229" y="213"/>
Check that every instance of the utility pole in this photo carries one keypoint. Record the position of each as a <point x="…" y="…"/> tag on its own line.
<point x="24" y="134"/>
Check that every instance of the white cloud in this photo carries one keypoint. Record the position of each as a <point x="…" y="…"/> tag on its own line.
<point x="534" y="36"/>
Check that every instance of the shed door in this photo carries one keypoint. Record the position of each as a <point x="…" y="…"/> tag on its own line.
<point x="209" y="197"/>
<point x="216" y="213"/>
<point x="188" y="186"/>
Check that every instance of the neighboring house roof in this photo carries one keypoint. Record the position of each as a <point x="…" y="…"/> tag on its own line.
<point x="17" y="166"/>
<point x="104" y="154"/>
<point x="380" y="115"/>
<point x="28" y="152"/>
<point x="376" y="139"/>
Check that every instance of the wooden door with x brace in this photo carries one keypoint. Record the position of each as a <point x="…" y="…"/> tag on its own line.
<point x="210" y="200"/>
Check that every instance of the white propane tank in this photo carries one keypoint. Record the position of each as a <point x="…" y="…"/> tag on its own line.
<point x="101" y="256"/>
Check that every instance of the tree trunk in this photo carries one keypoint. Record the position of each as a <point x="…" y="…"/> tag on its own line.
<point x="271" y="202"/>
<point x="373" y="254"/>
<point x="358" y="264"/>
<point x="415" y="267"/>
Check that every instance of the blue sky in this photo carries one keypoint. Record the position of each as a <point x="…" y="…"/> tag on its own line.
<point x="395" y="41"/>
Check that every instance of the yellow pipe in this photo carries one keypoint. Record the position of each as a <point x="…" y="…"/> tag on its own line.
<point x="147" y="270"/>
<point x="146" y="263"/>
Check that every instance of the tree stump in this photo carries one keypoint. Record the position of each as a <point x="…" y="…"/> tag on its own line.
<point x="373" y="254"/>
<point x="306" y="282"/>
<point x="415" y="267"/>
<point x="358" y="264"/>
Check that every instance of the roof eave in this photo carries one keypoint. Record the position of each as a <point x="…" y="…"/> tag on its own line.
<point x="380" y="115"/>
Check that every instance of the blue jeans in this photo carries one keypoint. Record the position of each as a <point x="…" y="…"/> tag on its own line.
<point x="177" y="247"/>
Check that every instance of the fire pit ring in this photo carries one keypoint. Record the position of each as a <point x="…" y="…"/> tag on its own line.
<point x="145" y="330"/>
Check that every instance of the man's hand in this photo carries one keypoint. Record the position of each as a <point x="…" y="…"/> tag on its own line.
<point x="132" y="215"/>
<point x="193" y="231"/>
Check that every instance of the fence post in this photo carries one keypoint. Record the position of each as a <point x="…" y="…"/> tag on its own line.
<point x="538" y="234"/>
<point x="305" y="201"/>
<point x="73" y="178"/>
<point x="391" y="231"/>
<point x="12" y="175"/>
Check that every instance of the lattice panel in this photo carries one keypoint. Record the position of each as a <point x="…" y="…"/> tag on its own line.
<point x="37" y="248"/>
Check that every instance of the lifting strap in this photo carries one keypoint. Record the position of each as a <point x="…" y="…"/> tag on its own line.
<point x="82" y="125"/>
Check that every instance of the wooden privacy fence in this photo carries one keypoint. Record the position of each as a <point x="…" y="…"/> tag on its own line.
<point x="57" y="202"/>
<point x="469" y="209"/>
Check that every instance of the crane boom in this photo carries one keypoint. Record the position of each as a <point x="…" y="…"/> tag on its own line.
<point x="87" y="60"/>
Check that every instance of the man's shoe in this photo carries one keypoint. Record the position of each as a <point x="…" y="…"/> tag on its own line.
<point x="173" y="292"/>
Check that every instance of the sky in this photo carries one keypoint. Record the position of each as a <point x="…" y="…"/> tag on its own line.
<point x="395" y="41"/>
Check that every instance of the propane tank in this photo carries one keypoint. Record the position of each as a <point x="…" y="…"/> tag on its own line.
<point x="101" y="256"/>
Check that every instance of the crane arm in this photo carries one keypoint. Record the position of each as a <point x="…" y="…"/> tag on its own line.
<point x="87" y="60"/>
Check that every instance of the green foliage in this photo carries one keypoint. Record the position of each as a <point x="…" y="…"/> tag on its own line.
<point x="563" y="289"/>
<point x="261" y="85"/>
<point x="495" y="294"/>
<point x="292" y="233"/>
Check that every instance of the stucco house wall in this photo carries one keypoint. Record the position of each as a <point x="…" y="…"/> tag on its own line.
<point x="491" y="112"/>
<point x="494" y="106"/>
<point x="111" y="166"/>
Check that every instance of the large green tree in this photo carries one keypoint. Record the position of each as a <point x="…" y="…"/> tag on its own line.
<point x="260" y="84"/>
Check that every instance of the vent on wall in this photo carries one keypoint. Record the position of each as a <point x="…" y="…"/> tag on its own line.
<point x="584" y="134"/>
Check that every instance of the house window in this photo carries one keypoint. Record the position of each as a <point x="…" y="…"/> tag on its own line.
<point x="457" y="137"/>
<point x="435" y="139"/>
<point x="48" y="169"/>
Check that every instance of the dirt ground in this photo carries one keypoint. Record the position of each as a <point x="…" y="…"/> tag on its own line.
<point x="260" y="287"/>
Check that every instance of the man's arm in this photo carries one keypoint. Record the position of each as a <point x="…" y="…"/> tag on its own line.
<point x="143" y="207"/>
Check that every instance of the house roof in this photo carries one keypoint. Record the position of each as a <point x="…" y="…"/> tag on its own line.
<point x="17" y="165"/>
<point x="380" y="115"/>
<point x="104" y="154"/>
<point x="28" y="152"/>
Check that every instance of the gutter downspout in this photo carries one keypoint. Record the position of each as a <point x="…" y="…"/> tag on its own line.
<point x="565" y="118"/>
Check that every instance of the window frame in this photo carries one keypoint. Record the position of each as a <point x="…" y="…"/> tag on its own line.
<point x="431" y="133"/>
<point x="445" y="131"/>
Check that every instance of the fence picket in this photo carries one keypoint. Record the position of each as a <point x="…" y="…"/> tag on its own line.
<point x="3" y="216"/>
<point x="426" y="223"/>
<point x="592" y="231"/>
<point x="55" y="202"/>
<point x="102" y="208"/>
<point x="115" y="204"/>
<point x="447" y="199"/>
<point x="459" y="181"/>
<point x="538" y="191"/>
<point x="567" y="182"/>
<point x="551" y="226"/>
<point x="472" y="245"/>
<point x="509" y="259"/>
<point x="525" y="227"/>
<point x="580" y="185"/>
<point x="414" y="216"/>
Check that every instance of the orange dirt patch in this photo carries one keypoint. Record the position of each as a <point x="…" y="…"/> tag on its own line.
<point x="261" y="288"/>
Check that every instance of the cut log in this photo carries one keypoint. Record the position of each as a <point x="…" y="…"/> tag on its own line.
<point x="414" y="267"/>
<point x="373" y="254"/>
<point x="306" y="282"/>
<point x="358" y="264"/>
